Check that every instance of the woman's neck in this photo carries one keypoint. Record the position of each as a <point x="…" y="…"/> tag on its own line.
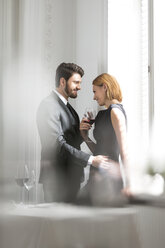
<point x="109" y="102"/>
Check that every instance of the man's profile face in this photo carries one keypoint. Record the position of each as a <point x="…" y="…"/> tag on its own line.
<point x="73" y="85"/>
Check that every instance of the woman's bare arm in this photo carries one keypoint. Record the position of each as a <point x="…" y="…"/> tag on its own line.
<point x="119" y="125"/>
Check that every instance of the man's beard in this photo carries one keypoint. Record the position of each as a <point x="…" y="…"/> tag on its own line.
<point x="69" y="93"/>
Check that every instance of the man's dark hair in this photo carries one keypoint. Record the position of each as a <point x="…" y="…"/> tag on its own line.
<point x="66" y="70"/>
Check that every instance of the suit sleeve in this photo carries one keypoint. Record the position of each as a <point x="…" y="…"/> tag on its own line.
<point x="52" y="138"/>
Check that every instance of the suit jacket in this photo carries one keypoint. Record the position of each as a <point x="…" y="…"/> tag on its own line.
<point x="62" y="161"/>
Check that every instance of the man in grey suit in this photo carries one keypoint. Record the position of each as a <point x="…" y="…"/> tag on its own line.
<point x="62" y="161"/>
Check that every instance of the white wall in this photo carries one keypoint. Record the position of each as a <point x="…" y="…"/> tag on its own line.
<point x="90" y="47"/>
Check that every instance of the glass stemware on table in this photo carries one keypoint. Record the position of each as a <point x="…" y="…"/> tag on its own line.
<point x="25" y="179"/>
<point x="29" y="184"/>
<point x="90" y="114"/>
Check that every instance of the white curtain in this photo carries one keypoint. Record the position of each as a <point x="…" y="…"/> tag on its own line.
<point x="35" y="37"/>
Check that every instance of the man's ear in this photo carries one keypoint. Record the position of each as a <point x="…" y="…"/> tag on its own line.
<point x="62" y="82"/>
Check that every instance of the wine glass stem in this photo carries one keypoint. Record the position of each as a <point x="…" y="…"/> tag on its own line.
<point x="22" y="195"/>
<point x="28" y="197"/>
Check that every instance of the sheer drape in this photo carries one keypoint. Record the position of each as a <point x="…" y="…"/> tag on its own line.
<point x="32" y="44"/>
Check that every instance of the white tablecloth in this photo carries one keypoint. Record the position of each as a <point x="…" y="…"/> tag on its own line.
<point x="150" y="224"/>
<point x="67" y="226"/>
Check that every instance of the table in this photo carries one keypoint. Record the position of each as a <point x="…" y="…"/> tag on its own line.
<point x="150" y="224"/>
<point x="61" y="225"/>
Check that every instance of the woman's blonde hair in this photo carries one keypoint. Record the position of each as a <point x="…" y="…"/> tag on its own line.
<point x="113" y="87"/>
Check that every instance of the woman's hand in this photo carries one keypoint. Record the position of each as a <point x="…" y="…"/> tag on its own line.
<point x="84" y="128"/>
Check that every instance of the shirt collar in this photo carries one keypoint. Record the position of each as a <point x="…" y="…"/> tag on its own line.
<point x="61" y="97"/>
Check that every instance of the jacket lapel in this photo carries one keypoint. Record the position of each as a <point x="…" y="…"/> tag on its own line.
<point x="74" y="117"/>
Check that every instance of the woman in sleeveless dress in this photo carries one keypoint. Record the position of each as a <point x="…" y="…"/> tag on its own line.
<point x="109" y="132"/>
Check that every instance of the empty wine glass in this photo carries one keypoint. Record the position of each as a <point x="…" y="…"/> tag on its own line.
<point x="29" y="184"/>
<point x="22" y="175"/>
<point x="90" y="114"/>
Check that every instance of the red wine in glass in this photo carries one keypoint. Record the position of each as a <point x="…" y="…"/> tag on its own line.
<point x="90" y="114"/>
<point x="90" y="121"/>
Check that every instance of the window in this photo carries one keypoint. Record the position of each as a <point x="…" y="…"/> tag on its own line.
<point x="128" y="56"/>
<point x="158" y="86"/>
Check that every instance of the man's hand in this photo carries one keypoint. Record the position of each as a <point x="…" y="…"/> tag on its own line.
<point x="98" y="160"/>
<point x="112" y="167"/>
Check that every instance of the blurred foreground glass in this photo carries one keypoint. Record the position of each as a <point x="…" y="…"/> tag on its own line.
<point x="29" y="184"/>
<point x="22" y="176"/>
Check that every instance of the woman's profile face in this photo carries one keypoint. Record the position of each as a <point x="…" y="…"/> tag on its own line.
<point x="99" y="94"/>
